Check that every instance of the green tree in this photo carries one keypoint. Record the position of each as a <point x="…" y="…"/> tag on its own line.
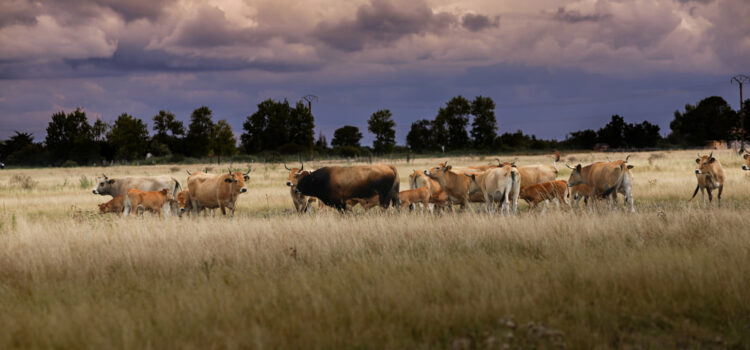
<point x="420" y="138"/>
<point x="584" y="139"/>
<point x="99" y="130"/>
<point x="346" y="136"/>
<point x="129" y="136"/>
<point x="613" y="133"/>
<point x="322" y="143"/>
<point x="70" y="137"/>
<point x="279" y="127"/>
<point x="484" y="126"/>
<point x="453" y="118"/>
<point x="169" y="132"/>
<point x="382" y="126"/>
<point x="198" y="138"/>
<point x="711" y="119"/>
<point x="642" y="135"/>
<point x="301" y="126"/>
<point x="222" y="140"/>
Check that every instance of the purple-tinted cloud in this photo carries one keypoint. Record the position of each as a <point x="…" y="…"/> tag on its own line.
<point x="477" y="22"/>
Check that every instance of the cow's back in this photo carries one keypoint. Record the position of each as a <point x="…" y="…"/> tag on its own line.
<point x="204" y="188"/>
<point x="536" y="174"/>
<point x="145" y="184"/>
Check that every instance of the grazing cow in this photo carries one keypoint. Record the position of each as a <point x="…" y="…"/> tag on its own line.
<point x="153" y="201"/>
<point x="184" y="204"/>
<point x="438" y="197"/>
<point x="335" y="185"/>
<point x="545" y="192"/>
<point x="455" y="183"/>
<point x="302" y="203"/>
<point x="746" y="166"/>
<point x="474" y="197"/>
<point x="417" y="195"/>
<point x="210" y="191"/>
<point x="496" y="185"/>
<point x="603" y="178"/>
<point x="710" y="176"/>
<point x="119" y="186"/>
<point x="115" y="205"/>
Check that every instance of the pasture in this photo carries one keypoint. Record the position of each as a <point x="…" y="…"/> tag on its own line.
<point x="672" y="275"/>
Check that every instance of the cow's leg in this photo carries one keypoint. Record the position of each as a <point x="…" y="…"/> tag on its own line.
<point x="629" y="198"/>
<point x="703" y="196"/>
<point x="718" y="196"/>
<point x="223" y="209"/>
<point x="710" y="195"/>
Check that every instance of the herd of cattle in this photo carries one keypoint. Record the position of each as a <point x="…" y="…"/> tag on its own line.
<point x="496" y="186"/>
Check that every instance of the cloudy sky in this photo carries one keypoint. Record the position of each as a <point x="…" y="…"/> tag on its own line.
<point x="551" y="66"/>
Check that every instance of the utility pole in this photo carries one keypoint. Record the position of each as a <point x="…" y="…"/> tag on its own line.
<point x="740" y="79"/>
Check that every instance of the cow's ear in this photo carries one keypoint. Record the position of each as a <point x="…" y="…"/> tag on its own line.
<point x="578" y="167"/>
<point x="697" y="160"/>
<point x="111" y="181"/>
<point x="227" y="180"/>
<point x="746" y="155"/>
<point x="711" y="160"/>
<point x="448" y="168"/>
<point x="630" y="167"/>
<point x="247" y="178"/>
<point x="473" y="177"/>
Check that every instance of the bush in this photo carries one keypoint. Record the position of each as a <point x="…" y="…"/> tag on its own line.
<point x="84" y="182"/>
<point x="347" y="151"/>
<point x="69" y="164"/>
<point x="25" y="182"/>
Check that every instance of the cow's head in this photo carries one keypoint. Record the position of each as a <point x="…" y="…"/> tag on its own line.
<point x="236" y="181"/>
<point x="104" y="185"/>
<point x="704" y="164"/>
<point x="417" y="179"/>
<point x="575" y="177"/>
<point x="183" y="202"/>
<point x="106" y="207"/>
<point x="295" y="174"/>
<point x="438" y="173"/>
<point x="746" y="166"/>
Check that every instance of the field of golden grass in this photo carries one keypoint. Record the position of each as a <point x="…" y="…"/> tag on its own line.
<point x="672" y="275"/>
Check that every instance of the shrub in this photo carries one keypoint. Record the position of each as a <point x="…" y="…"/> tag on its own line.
<point x="25" y="182"/>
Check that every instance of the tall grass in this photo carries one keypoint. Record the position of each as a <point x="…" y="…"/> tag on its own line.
<point x="670" y="276"/>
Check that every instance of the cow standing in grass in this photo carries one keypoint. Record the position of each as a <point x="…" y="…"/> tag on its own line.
<point x="710" y="176"/>
<point x="497" y="185"/>
<point x="302" y="203"/>
<point x="153" y="201"/>
<point x="438" y="197"/>
<point x="544" y="192"/>
<point x="603" y="178"/>
<point x="210" y="191"/>
<point x="336" y="185"/>
<point x="119" y="186"/>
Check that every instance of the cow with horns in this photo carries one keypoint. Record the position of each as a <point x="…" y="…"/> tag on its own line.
<point x="710" y="176"/>
<point x="302" y="203"/>
<point x="210" y="191"/>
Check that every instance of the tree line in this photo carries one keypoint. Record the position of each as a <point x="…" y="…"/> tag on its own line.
<point x="278" y="128"/>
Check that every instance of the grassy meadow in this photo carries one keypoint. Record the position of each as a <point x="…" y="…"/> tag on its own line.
<point x="672" y="275"/>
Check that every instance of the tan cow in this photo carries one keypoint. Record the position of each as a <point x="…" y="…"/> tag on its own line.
<point x="625" y="186"/>
<point x="417" y="195"/>
<point x="302" y="203"/>
<point x="115" y="205"/>
<point x="455" y="183"/>
<point x="710" y="176"/>
<point x="153" y="201"/>
<point x="496" y="185"/>
<point x="746" y="166"/>
<point x="438" y="197"/>
<point x="603" y="178"/>
<point x="544" y="192"/>
<point x="221" y="191"/>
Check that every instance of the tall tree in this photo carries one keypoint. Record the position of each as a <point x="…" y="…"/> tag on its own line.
<point x="301" y="126"/>
<point x="70" y="137"/>
<point x="278" y="126"/>
<point x="484" y="126"/>
<point x="613" y="133"/>
<point x="222" y="139"/>
<point x="129" y="136"/>
<point x="455" y="117"/>
<point x="420" y="137"/>
<point x="711" y="119"/>
<point x="198" y="138"/>
<point x="346" y="136"/>
<point x="321" y="143"/>
<point x="168" y="133"/>
<point x="642" y="135"/>
<point x="99" y="130"/>
<point x="382" y="126"/>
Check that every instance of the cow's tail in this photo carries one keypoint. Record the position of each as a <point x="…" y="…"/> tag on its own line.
<point x="696" y="192"/>
<point x="177" y="187"/>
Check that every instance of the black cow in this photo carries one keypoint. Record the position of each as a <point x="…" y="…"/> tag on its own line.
<point x="335" y="185"/>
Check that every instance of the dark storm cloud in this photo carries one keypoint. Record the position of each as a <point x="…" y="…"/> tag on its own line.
<point x="211" y="28"/>
<point x="573" y="16"/>
<point x="18" y="12"/>
<point x="476" y="22"/>
<point x="381" y="23"/>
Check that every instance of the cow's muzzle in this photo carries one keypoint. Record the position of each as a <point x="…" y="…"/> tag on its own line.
<point x="243" y="190"/>
<point x="697" y="171"/>
<point x="744" y="167"/>
<point x="94" y="191"/>
<point x="427" y="172"/>
<point x="289" y="183"/>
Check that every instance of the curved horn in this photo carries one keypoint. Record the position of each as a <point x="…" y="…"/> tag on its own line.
<point x="188" y="171"/>
<point x="105" y="176"/>
<point x="626" y="158"/>
<point x="499" y="162"/>
<point x="568" y="165"/>
<point x="249" y="169"/>
<point x="514" y="160"/>
<point x="302" y="166"/>
<point x="609" y="160"/>
<point x="286" y="167"/>
<point x="710" y="155"/>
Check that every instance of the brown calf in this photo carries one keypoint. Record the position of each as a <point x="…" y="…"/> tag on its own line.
<point x="115" y="205"/>
<point x="154" y="201"/>
<point x="417" y="195"/>
<point x="544" y="192"/>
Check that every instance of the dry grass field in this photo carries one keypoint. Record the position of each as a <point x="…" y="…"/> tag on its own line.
<point x="672" y="275"/>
